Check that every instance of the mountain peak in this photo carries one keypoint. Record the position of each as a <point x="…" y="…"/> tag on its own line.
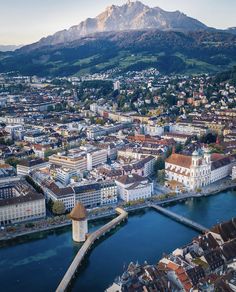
<point x="133" y="15"/>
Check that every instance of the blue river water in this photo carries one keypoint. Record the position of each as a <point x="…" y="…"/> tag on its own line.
<point x="38" y="262"/>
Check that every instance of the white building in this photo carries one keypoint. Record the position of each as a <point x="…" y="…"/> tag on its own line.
<point x="134" y="187"/>
<point x="64" y="175"/>
<point x="96" y="157"/>
<point x="198" y="170"/>
<point x="19" y="203"/>
<point x="153" y="130"/>
<point x="12" y="129"/>
<point x="26" y="166"/>
<point x="234" y="173"/>
<point x="189" y="129"/>
<point x="116" y="85"/>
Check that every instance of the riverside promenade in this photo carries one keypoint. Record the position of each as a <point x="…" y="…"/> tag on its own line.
<point x="87" y="246"/>
<point x="213" y="189"/>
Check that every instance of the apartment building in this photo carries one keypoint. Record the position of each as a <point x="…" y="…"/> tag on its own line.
<point x="26" y="166"/>
<point x="19" y="203"/>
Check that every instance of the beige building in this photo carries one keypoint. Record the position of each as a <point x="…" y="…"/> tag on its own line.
<point x="80" y="159"/>
<point x="19" y="203"/>
<point x="71" y="161"/>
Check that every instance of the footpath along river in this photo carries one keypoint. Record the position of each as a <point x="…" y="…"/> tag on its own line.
<point x="38" y="262"/>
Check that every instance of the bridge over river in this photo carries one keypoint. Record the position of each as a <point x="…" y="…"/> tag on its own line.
<point x="86" y="247"/>
<point x="179" y="218"/>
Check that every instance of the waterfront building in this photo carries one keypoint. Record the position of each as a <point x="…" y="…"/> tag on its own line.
<point x="26" y="166"/>
<point x="19" y="202"/>
<point x="79" y="223"/>
<point x="108" y="192"/>
<point x="133" y="187"/>
<point x="96" y="194"/>
<point x="198" y="170"/>
<point x="89" y="195"/>
<point x="61" y="194"/>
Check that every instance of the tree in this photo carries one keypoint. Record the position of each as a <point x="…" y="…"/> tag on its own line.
<point x="12" y="161"/>
<point x="34" y="184"/>
<point x="178" y="147"/>
<point x="168" y="152"/>
<point x="208" y="139"/>
<point x="58" y="208"/>
<point x="161" y="176"/>
<point x="160" y="164"/>
<point x="50" y="108"/>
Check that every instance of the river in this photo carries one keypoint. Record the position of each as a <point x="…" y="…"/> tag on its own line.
<point x="38" y="262"/>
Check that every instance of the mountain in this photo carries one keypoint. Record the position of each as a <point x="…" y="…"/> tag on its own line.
<point x="9" y="48"/>
<point x="231" y="30"/>
<point x="130" y="16"/>
<point x="168" y="51"/>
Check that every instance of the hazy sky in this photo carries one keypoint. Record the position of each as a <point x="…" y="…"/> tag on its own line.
<point x="26" y="21"/>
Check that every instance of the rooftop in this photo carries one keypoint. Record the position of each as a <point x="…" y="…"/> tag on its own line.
<point x="78" y="213"/>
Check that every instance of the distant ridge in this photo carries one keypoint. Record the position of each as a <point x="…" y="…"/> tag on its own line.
<point x="9" y="48"/>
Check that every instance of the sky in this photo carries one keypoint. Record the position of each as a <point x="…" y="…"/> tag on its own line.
<point x="26" y="21"/>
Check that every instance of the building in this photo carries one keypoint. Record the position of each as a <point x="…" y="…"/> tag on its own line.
<point x="96" y="157"/>
<point x="198" y="170"/>
<point x="189" y="129"/>
<point x="143" y="167"/>
<point x="234" y="173"/>
<point x="108" y="192"/>
<point x="153" y="130"/>
<point x="79" y="223"/>
<point x="77" y="162"/>
<point x="19" y="203"/>
<point x="96" y="194"/>
<point x="116" y="85"/>
<point x="26" y="166"/>
<point x="61" y="194"/>
<point x="134" y="187"/>
<point x="64" y="175"/>
<point x="82" y="159"/>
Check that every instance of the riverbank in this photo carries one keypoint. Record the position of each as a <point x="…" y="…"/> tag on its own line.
<point x="213" y="189"/>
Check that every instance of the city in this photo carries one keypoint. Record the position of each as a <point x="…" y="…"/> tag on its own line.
<point x="121" y="173"/>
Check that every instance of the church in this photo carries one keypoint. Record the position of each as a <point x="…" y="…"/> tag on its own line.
<point x="198" y="170"/>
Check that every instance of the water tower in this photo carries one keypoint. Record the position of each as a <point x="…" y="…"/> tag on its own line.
<point x="79" y="223"/>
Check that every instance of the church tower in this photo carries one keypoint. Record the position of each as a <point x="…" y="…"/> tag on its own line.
<point x="207" y="155"/>
<point x="195" y="158"/>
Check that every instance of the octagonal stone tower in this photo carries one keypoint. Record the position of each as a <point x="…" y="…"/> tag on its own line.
<point x="79" y="223"/>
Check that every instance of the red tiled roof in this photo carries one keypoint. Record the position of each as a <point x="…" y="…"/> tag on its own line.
<point x="180" y="160"/>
